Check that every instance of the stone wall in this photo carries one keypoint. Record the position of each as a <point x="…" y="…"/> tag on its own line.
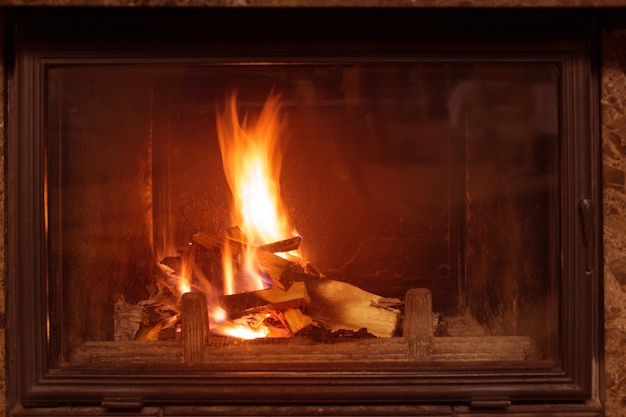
<point x="614" y="185"/>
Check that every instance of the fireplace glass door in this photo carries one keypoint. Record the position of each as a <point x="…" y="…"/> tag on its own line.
<point x="378" y="178"/>
<point x="360" y="218"/>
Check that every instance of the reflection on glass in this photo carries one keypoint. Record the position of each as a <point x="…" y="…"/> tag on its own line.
<point x="441" y="176"/>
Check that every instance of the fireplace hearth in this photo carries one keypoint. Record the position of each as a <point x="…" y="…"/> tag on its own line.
<point x="418" y="235"/>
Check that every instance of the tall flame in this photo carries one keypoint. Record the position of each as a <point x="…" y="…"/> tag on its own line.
<point x="252" y="158"/>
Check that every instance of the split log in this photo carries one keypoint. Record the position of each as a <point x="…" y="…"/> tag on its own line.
<point x="275" y="299"/>
<point x="282" y="246"/>
<point x="338" y="305"/>
<point x="211" y="242"/>
<point x="274" y="266"/>
<point x="236" y="234"/>
<point x="296" y="320"/>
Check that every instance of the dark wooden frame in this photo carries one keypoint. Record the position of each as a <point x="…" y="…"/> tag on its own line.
<point x="43" y="38"/>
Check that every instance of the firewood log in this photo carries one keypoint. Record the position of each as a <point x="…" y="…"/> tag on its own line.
<point x="270" y="299"/>
<point x="338" y="305"/>
<point x="296" y="319"/>
<point x="274" y="266"/>
<point x="283" y="245"/>
<point x="127" y="319"/>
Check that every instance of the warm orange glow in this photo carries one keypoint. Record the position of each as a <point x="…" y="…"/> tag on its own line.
<point x="242" y="331"/>
<point x="252" y="151"/>
<point x="247" y="327"/>
<point x="252" y="326"/>
<point x="218" y="315"/>
<point x="252" y="158"/>
<point x="184" y="283"/>
<point x="227" y="265"/>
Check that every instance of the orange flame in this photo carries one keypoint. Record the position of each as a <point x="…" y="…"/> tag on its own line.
<point x="184" y="284"/>
<point x="241" y="330"/>
<point x="252" y="159"/>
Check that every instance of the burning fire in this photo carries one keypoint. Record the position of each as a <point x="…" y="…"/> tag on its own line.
<point x="252" y="158"/>
<point x="264" y="294"/>
<point x="252" y="151"/>
<point x="184" y="284"/>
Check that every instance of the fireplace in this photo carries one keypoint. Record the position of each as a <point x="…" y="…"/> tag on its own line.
<point x="437" y="171"/>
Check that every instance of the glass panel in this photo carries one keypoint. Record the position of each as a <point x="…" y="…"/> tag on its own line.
<point x="436" y="175"/>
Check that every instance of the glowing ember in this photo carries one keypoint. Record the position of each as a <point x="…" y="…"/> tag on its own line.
<point x="219" y="315"/>
<point x="248" y="327"/>
<point x="245" y="332"/>
<point x="252" y="158"/>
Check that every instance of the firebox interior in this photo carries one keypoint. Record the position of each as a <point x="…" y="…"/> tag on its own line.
<point x="436" y="175"/>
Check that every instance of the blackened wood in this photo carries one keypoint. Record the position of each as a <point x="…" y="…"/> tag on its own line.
<point x="418" y="328"/>
<point x="195" y="326"/>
